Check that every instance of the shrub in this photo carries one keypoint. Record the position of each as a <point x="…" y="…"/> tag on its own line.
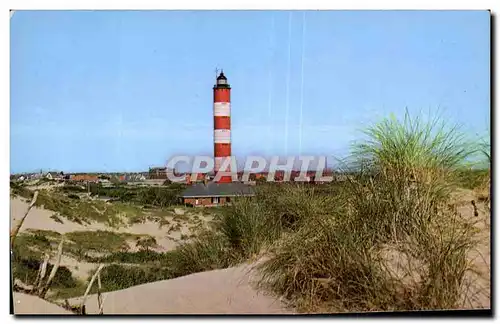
<point x="161" y="196"/>
<point x="343" y="259"/>
<point x="133" y="257"/>
<point x="209" y="251"/>
<point x="327" y="266"/>
<point x="56" y="218"/>
<point x="67" y="188"/>
<point x="82" y="242"/>
<point x="412" y="151"/>
<point x="20" y="190"/>
<point x="31" y="245"/>
<point x="247" y="226"/>
<point x="26" y="269"/>
<point x="146" y="243"/>
<point x="291" y="205"/>
<point x="115" y="277"/>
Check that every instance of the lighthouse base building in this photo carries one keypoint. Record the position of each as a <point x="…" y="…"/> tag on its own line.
<point x="213" y="194"/>
<point x="224" y="190"/>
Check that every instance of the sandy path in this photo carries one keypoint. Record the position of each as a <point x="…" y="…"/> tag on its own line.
<point x="28" y="304"/>
<point x="226" y="291"/>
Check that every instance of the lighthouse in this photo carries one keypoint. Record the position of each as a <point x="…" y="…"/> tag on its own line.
<point x="223" y="191"/>
<point x="222" y="125"/>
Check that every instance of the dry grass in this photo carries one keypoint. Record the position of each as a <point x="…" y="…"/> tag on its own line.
<point x="386" y="239"/>
<point x="389" y="241"/>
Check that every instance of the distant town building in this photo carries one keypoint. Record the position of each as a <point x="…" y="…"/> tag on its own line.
<point x="158" y="173"/>
<point x="84" y="177"/>
<point x="199" y="178"/>
<point x="54" y="175"/>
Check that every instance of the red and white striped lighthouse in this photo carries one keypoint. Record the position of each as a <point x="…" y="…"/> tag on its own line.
<point x="222" y="125"/>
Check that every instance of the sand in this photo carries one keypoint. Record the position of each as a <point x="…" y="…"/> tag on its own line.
<point x="39" y="219"/>
<point x="477" y="288"/>
<point x="226" y="291"/>
<point x="32" y="305"/>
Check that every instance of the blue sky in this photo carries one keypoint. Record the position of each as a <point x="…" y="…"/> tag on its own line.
<point x="122" y="91"/>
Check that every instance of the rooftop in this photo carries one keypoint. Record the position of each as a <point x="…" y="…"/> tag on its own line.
<point x="212" y="189"/>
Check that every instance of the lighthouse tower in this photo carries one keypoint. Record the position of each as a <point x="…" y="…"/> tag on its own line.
<point x="222" y="125"/>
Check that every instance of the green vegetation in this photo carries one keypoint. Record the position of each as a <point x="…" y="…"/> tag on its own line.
<point x="139" y="257"/>
<point x="473" y="178"/>
<point x="116" y="276"/>
<point x="341" y="261"/>
<point x="387" y="238"/>
<point x="56" y="217"/>
<point x="71" y="188"/>
<point x="31" y="245"/>
<point x="84" y="211"/>
<point x="26" y="269"/>
<point x="65" y="202"/>
<point x="27" y="255"/>
<point x="44" y="180"/>
<point x="19" y="189"/>
<point x="158" y="196"/>
<point x="97" y="241"/>
<point x="208" y="251"/>
<point x="146" y="242"/>
<point x="332" y="248"/>
<point x="85" y="245"/>
<point x="90" y="246"/>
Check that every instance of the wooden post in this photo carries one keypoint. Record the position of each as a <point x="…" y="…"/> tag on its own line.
<point x="44" y="290"/>
<point x="99" y="296"/>
<point x="41" y="273"/>
<point x="16" y="229"/>
<point x="90" y="285"/>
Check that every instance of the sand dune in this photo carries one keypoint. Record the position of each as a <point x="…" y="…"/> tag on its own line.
<point x="39" y="219"/>
<point x="226" y="291"/>
<point x="28" y="304"/>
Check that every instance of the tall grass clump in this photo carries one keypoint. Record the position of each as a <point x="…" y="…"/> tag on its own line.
<point x="245" y="228"/>
<point x="389" y="241"/>
<point x="209" y="251"/>
<point x="483" y="175"/>
<point x="240" y="232"/>
<point x="291" y="205"/>
<point x="413" y="151"/>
